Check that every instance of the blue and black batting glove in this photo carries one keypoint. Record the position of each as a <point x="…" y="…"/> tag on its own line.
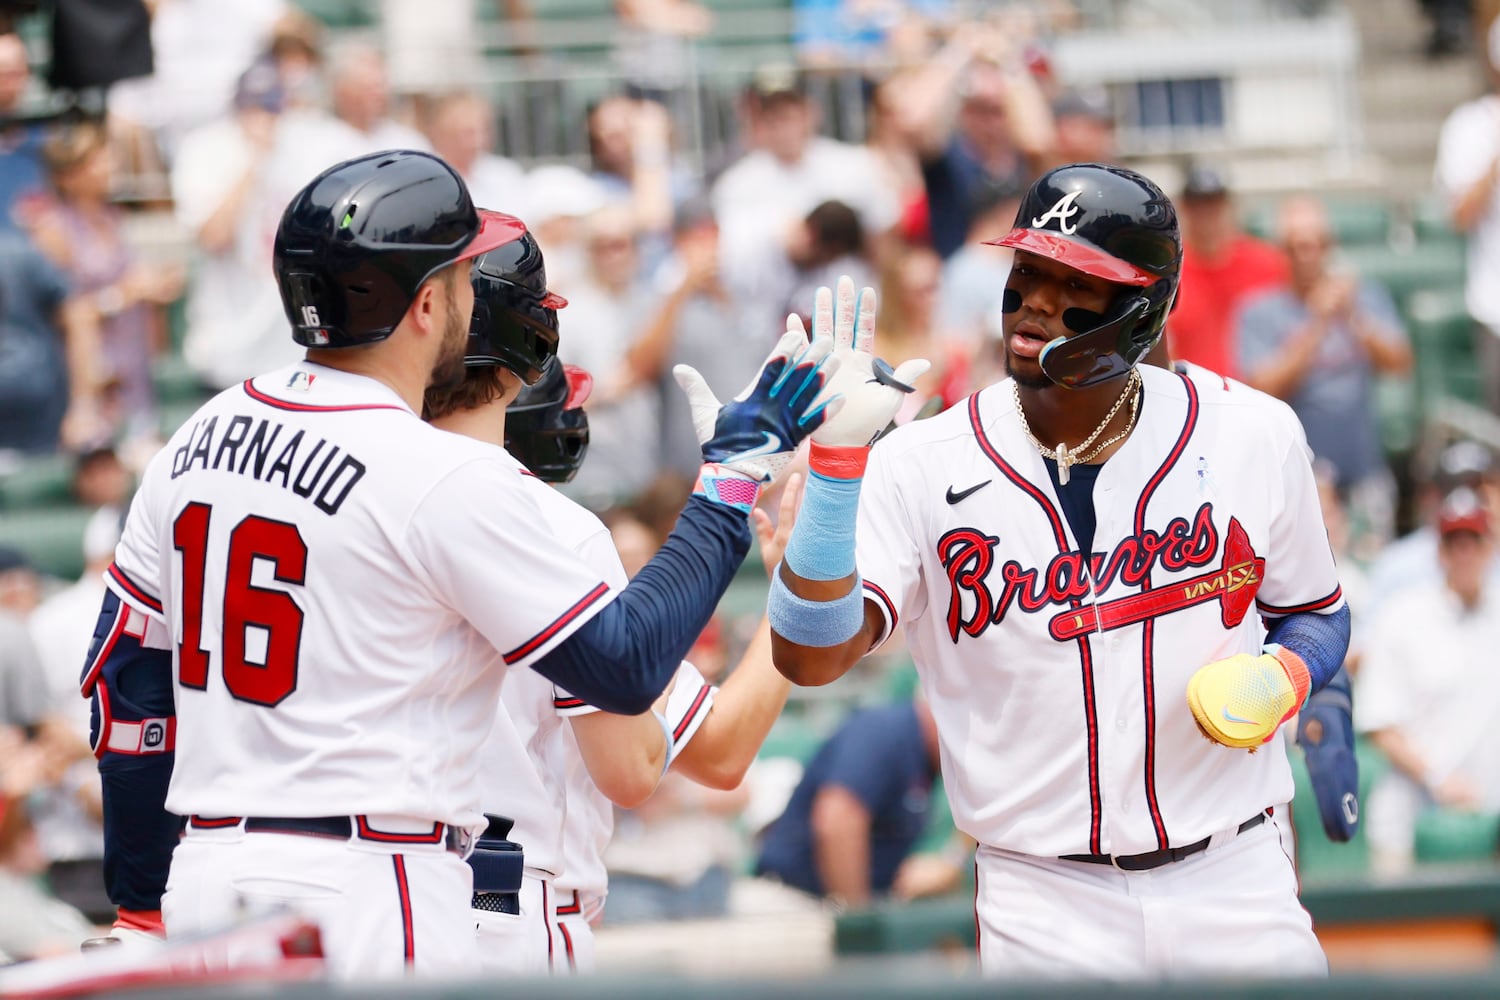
<point x="1325" y="731"/>
<point x="756" y="433"/>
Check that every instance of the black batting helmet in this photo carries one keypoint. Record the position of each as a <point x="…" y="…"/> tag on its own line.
<point x="514" y="324"/>
<point x="545" y="427"/>
<point x="1115" y="224"/>
<point x="357" y="242"/>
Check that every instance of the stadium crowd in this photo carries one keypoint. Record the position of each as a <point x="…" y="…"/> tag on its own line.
<point x="664" y="260"/>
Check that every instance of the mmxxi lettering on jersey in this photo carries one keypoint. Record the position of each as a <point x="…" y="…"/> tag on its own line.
<point x="249" y="446"/>
<point x="990" y="590"/>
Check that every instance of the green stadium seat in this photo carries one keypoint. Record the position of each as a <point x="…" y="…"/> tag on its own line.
<point x="52" y="537"/>
<point x="175" y="382"/>
<point x="1442" y="336"/>
<point x="1355" y="222"/>
<point x="342" y="13"/>
<point x="1398" y="412"/>
<point x="1444" y="835"/>
<point x="38" y="482"/>
<point x="793" y="737"/>
<point x="1425" y="267"/>
<point x="1431" y="222"/>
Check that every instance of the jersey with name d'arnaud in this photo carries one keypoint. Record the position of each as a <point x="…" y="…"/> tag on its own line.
<point x="326" y="562"/>
<point x="1058" y="680"/>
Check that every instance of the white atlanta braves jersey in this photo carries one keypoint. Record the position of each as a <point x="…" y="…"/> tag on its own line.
<point x="330" y="567"/>
<point x="571" y="823"/>
<point x="1058" y="682"/>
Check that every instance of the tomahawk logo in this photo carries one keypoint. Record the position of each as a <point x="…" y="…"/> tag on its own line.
<point x="1063" y="212"/>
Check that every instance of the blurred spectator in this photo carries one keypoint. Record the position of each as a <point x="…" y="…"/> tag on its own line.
<point x="1222" y="265"/>
<point x="560" y="198"/>
<point x="199" y="49"/>
<point x="1467" y="177"/>
<point x="21" y="172"/>
<point x="769" y="189"/>
<point x="632" y="160"/>
<point x="908" y="323"/>
<point x="296" y="51"/>
<point x="1429" y="696"/>
<point x="607" y="311"/>
<point x="461" y="127"/>
<point x="230" y="182"/>
<point x="860" y="808"/>
<point x="432" y="45"/>
<point x="1451" y="22"/>
<point x="1413" y="558"/>
<point x="653" y="44"/>
<point x="67" y="815"/>
<point x="838" y="33"/>
<point x="697" y="323"/>
<point x="777" y="277"/>
<point x="101" y="478"/>
<point x="23" y="685"/>
<point x="52" y="378"/>
<point x="1319" y="342"/>
<point x="1085" y="122"/>
<point x="892" y="139"/>
<point x="82" y="231"/>
<point x="361" y="97"/>
<point x="974" y="275"/>
<point x="33" y="924"/>
<point x="1001" y="130"/>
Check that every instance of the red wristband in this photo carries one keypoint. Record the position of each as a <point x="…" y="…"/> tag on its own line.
<point x="836" y="462"/>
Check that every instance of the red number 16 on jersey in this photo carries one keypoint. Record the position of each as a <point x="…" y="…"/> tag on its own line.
<point x="245" y="605"/>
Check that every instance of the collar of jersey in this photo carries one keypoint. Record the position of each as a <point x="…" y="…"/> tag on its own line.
<point x="332" y="388"/>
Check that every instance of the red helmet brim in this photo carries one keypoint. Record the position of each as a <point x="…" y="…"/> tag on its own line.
<point x="1076" y="254"/>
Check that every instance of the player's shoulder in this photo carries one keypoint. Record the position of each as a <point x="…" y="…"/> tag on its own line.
<point x="1254" y="410"/>
<point x="568" y="518"/>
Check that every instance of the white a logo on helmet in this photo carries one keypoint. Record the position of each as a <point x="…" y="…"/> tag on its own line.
<point x="1063" y="212"/>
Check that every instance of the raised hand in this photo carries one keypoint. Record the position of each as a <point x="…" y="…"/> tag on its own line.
<point x="871" y="391"/>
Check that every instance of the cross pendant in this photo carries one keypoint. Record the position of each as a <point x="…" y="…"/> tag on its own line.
<point x="1064" y="462"/>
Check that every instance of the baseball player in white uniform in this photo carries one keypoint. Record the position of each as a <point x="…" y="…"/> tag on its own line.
<point x="1079" y="555"/>
<point x="309" y="573"/>
<point x="563" y="780"/>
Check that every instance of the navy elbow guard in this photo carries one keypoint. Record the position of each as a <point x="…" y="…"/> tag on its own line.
<point x="134" y="736"/>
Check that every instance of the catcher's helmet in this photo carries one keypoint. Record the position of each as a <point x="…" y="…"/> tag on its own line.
<point x="357" y="242"/>
<point x="1115" y="224"/>
<point x="514" y="324"/>
<point x="545" y="427"/>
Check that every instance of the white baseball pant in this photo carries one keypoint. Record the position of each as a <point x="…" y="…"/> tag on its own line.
<point x="516" y="943"/>
<point x="1228" y="912"/>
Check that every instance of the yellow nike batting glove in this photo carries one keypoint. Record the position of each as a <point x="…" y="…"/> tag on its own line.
<point x="1241" y="701"/>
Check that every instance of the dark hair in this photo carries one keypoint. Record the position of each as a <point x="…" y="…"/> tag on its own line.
<point x="480" y="385"/>
<point x="836" y="230"/>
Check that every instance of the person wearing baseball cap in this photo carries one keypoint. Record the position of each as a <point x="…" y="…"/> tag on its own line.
<point x="1428" y="697"/>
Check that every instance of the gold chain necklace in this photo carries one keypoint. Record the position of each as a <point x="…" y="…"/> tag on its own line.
<point x="1066" y="457"/>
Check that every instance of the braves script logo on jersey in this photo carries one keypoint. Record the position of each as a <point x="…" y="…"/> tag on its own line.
<point x="1063" y="212"/>
<point x="968" y="556"/>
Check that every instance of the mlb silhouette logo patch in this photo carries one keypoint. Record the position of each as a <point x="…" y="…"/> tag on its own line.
<point x="301" y="381"/>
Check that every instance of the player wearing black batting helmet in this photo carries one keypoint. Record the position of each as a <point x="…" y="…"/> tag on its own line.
<point x="357" y="242"/>
<point x="514" y="324"/>
<point x="1114" y="224"/>
<point x="546" y="428"/>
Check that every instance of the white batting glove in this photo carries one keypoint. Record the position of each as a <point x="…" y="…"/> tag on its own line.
<point x="871" y="391"/>
<point x="756" y="433"/>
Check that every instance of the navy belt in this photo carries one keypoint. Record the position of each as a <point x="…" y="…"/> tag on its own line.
<point x="451" y="838"/>
<point x="1165" y="856"/>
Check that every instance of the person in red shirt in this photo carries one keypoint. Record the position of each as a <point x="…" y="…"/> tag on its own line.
<point x="1221" y="266"/>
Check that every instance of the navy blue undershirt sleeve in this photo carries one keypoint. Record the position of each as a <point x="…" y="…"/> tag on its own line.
<point x="622" y="659"/>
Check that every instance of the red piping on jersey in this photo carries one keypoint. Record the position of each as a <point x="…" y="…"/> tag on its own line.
<point x="572" y="909"/>
<point x="562" y="929"/>
<point x="682" y="726"/>
<point x="94" y="667"/>
<point x="540" y="639"/>
<point x="282" y="404"/>
<point x="133" y="589"/>
<point x="548" y="918"/>
<point x="404" y="891"/>
<point x="1148" y="630"/>
<point x="216" y="823"/>
<point x="367" y="833"/>
<point x="1090" y="716"/>
<point x="568" y="703"/>
<point x="1318" y="605"/>
<point x="884" y="598"/>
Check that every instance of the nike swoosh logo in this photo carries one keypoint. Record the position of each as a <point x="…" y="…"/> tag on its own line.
<point x="771" y="446"/>
<point x="1236" y="718"/>
<point x="965" y="494"/>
